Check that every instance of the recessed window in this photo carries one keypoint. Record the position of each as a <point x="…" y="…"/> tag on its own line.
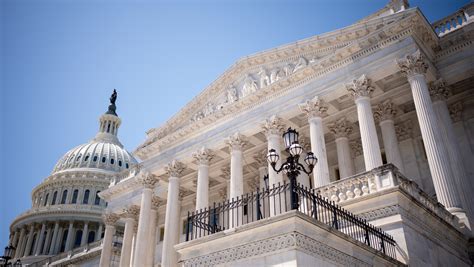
<point x="74" y="196"/>
<point x="63" y="199"/>
<point x="86" y="158"/>
<point x="97" y="198"/>
<point x="120" y="163"/>
<point x="85" y="200"/>
<point x="103" y="159"/>
<point x="95" y="158"/>
<point x="112" y="161"/>
<point x="78" y="157"/>
<point x="126" y="165"/>
<point x="55" y="195"/>
<point x="46" y="200"/>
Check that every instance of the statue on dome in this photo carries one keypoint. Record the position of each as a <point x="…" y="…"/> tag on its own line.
<point x="112" y="107"/>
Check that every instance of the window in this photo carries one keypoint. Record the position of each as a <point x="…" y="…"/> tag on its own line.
<point x="78" y="157"/>
<point x="85" y="200"/>
<point x="103" y="159"/>
<point x="33" y="244"/>
<point x="74" y="196"/>
<point x="63" y="241"/>
<point x="91" y="237"/>
<point x="95" y="158"/>
<point x="46" y="200"/>
<point x="162" y="233"/>
<point x="78" y="239"/>
<point x="384" y="158"/>
<point x="86" y="158"/>
<point x="63" y="199"/>
<point x="112" y="161"/>
<point x="108" y="127"/>
<point x="126" y="165"/>
<point x="55" y="195"/>
<point x="97" y="198"/>
<point x="120" y="163"/>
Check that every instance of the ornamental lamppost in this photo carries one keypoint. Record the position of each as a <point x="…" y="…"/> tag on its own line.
<point x="292" y="167"/>
<point x="8" y="254"/>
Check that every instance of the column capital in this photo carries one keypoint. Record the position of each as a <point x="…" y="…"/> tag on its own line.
<point x="404" y="130"/>
<point x="385" y="111"/>
<point x="315" y="107"/>
<point x="174" y="168"/>
<point x="413" y="64"/>
<point x="236" y="141"/>
<point x="439" y="90"/>
<point x="156" y="202"/>
<point x="273" y="125"/>
<point x="360" y="87"/>
<point x="305" y="143"/>
<point x="148" y="180"/>
<point x="203" y="156"/>
<point x="131" y="212"/>
<point x="455" y="111"/>
<point x="341" y="128"/>
<point x="356" y="147"/>
<point x="110" y="219"/>
<point x="261" y="158"/>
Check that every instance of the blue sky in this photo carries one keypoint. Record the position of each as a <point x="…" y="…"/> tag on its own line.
<point x="60" y="60"/>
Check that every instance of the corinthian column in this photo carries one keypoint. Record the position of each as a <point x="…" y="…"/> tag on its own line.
<point x="414" y="68"/>
<point x="40" y="240"/>
<point x="236" y="143"/>
<point x="150" y="257"/>
<point x="109" y="219"/>
<point x="261" y="159"/>
<point x="130" y="214"/>
<point x="439" y="92"/>
<point x="384" y="114"/>
<point x="172" y="223"/>
<point x="341" y="130"/>
<point x="21" y="240"/>
<point x="29" y="241"/>
<point x="203" y="156"/>
<point x="315" y="109"/>
<point x="273" y="129"/>
<point x="148" y="181"/>
<point x="361" y="89"/>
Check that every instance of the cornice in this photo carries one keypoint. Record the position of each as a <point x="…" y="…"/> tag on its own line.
<point x="407" y="23"/>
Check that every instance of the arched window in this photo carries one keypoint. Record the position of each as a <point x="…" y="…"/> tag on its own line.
<point x="126" y="165"/>
<point x="46" y="200"/>
<point x="91" y="237"/>
<point x="112" y="161"/>
<point x="55" y="195"/>
<point x="95" y="158"/>
<point x="78" y="238"/>
<point x="97" y="198"/>
<point x="85" y="200"/>
<point x="78" y="157"/>
<point x="63" y="198"/>
<point x="103" y="159"/>
<point x="108" y="127"/>
<point x="120" y="163"/>
<point x="33" y="244"/>
<point x="86" y="158"/>
<point x="74" y="196"/>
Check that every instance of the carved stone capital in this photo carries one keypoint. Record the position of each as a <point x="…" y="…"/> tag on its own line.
<point x="110" y="218"/>
<point x="174" y="168"/>
<point x="413" y="64"/>
<point x="236" y="141"/>
<point x="203" y="156"/>
<point x="273" y="125"/>
<point x="131" y="212"/>
<point x="385" y="111"/>
<point x="360" y="87"/>
<point x="455" y="111"/>
<point x="341" y="128"/>
<point x="315" y="107"/>
<point x="356" y="147"/>
<point x="439" y="91"/>
<point x="404" y="130"/>
<point x="305" y="143"/>
<point x="261" y="158"/>
<point x="148" y="180"/>
<point x="156" y="202"/>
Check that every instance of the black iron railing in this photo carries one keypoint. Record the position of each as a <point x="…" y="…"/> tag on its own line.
<point x="278" y="199"/>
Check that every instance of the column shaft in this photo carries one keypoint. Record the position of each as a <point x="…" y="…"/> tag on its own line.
<point x="99" y="232"/>
<point x="107" y="246"/>
<point x="40" y="240"/>
<point x="390" y="143"/>
<point x="20" y="243"/>
<point x="70" y="236"/>
<point x="126" y="253"/>
<point x="172" y="224"/>
<point x="47" y="243"/>
<point x="150" y="257"/>
<point x="368" y="134"/>
<point x="202" y="193"/>
<point x="29" y="241"/>
<point x="344" y="159"/>
<point x="143" y="227"/>
<point x="318" y="147"/>
<point x="437" y="155"/>
<point x="54" y="239"/>
<point x="15" y="238"/>
<point x="85" y="234"/>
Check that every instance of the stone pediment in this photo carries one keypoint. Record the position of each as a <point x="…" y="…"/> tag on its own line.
<point x="257" y="76"/>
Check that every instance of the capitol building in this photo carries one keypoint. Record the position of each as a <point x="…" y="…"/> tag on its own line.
<point x="349" y="148"/>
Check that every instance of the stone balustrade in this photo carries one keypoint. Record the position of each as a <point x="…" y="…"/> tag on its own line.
<point x="453" y="21"/>
<point x="386" y="177"/>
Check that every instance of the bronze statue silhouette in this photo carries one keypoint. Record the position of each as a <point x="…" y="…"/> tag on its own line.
<point x="112" y="107"/>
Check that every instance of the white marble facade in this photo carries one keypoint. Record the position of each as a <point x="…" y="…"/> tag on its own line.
<point x="385" y="104"/>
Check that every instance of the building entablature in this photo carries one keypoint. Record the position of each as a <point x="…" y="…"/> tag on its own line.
<point x="409" y="23"/>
